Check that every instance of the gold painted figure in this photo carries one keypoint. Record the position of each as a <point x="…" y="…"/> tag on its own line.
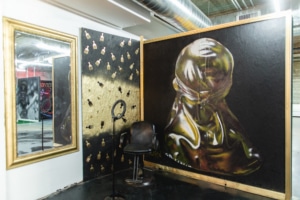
<point x="202" y="132"/>
<point x="94" y="45"/>
<point x="102" y="37"/>
<point x="87" y="35"/>
<point x="97" y="63"/>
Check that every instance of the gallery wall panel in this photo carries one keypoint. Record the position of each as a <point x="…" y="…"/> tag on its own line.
<point x="110" y="72"/>
<point x="221" y="102"/>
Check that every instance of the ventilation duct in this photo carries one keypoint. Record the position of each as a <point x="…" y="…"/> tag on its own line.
<point x="182" y="14"/>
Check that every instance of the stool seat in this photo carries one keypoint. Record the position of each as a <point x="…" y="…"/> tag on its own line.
<point x="137" y="149"/>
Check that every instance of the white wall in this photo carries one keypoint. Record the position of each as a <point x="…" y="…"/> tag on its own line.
<point x="2" y="135"/>
<point x="45" y="177"/>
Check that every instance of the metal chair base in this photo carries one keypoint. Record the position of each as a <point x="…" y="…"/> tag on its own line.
<point x="138" y="183"/>
<point x="136" y="180"/>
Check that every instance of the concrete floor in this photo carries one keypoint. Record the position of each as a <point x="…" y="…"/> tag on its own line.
<point x="165" y="186"/>
<point x="34" y="137"/>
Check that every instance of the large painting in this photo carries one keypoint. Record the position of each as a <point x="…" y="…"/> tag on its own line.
<point x="110" y="74"/>
<point x="46" y="99"/>
<point x="28" y="94"/>
<point x="219" y="99"/>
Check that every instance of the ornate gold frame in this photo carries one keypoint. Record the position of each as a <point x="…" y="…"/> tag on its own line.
<point x="9" y="28"/>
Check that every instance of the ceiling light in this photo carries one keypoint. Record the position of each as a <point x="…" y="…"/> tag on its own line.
<point x="129" y="10"/>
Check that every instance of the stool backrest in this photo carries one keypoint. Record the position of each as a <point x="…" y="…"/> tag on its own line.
<point x="142" y="133"/>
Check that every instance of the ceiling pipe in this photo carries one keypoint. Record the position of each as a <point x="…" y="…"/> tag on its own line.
<point x="236" y="4"/>
<point x="245" y="4"/>
<point x="182" y="14"/>
<point x="233" y="2"/>
<point x="251" y="3"/>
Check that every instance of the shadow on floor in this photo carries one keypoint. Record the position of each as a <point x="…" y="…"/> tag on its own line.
<point x="164" y="186"/>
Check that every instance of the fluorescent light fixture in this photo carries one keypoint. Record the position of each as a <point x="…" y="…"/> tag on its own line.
<point x="129" y="10"/>
<point x="20" y="70"/>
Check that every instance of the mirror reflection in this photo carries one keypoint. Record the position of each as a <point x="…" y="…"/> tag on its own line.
<point x="42" y="93"/>
<point x="40" y="76"/>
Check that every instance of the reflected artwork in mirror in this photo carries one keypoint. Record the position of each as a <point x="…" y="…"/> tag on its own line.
<point x="40" y="92"/>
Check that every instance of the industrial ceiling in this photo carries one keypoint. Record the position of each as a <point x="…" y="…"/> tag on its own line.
<point x="155" y="18"/>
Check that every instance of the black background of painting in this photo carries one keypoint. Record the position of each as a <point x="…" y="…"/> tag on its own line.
<point x="257" y="96"/>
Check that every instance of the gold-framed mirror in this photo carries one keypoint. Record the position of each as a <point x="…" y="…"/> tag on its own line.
<point x="40" y="71"/>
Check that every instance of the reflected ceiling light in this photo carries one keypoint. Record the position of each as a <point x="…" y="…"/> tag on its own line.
<point x="129" y="10"/>
<point x="21" y="64"/>
<point x="42" y="45"/>
<point x="20" y="70"/>
<point x="276" y="5"/>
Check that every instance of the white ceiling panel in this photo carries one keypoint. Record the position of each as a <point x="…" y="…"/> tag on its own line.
<point x="103" y="11"/>
<point x="112" y="15"/>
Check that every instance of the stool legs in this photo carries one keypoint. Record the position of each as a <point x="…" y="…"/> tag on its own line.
<point x="135" y="171"/>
